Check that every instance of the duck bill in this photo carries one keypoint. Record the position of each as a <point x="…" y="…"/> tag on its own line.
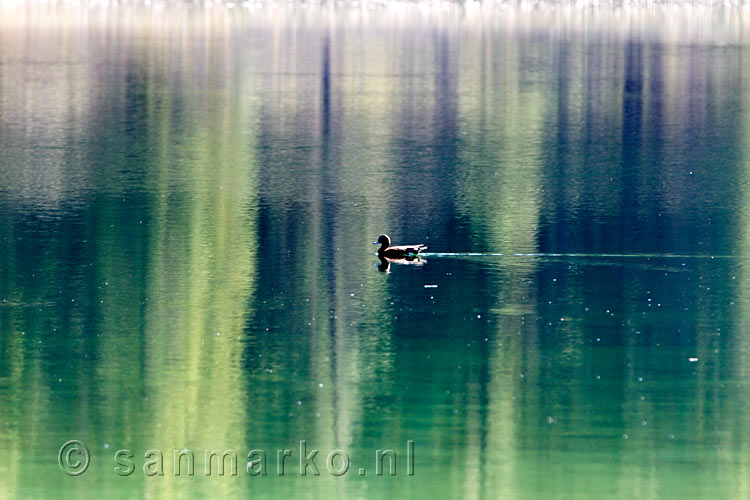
<point x="374" y="242"/>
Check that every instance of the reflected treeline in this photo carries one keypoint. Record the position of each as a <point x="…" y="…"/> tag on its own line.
<point x="188" y="197"/>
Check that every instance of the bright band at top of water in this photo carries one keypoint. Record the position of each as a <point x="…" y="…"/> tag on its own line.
<point x="713" y="21"/>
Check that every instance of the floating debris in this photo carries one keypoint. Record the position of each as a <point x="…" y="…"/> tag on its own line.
<point x="693" y="360"/>
<point x="430" y="286"/>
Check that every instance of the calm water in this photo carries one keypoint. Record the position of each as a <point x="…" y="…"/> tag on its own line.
<point x="188" y="197"/>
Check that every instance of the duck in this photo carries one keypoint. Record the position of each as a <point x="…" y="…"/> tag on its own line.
<point x="399" y="252"/>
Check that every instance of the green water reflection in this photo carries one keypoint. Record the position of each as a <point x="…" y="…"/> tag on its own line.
<point x="188" y="197"/>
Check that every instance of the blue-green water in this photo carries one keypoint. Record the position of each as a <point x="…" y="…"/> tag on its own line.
<point x="188" y="197"/>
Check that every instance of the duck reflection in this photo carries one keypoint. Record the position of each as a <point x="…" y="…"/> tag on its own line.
<point x="385" y="263"/>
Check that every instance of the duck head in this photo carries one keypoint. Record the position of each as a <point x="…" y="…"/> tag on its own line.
<point x="384" y="241"/>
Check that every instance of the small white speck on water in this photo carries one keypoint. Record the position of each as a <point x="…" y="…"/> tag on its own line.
<point x="671" y="436"/>
<point x="640" y="379"/>
<point x="218" y="334"/>
<point x="550" y="420"/>
<point x="351" y="295"/>
<point x="643" y="422"/>
<point x="320" y="385"/>
<point x="430" y="286"/>
<point x="624" y="436"/>
<point x="479" y="316"/>
<point x="106" y="446"/>
<point x="693" y="360"/>
<point x="299" y="403"/>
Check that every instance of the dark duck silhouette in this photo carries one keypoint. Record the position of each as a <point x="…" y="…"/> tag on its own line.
<point x="399" y="252"/>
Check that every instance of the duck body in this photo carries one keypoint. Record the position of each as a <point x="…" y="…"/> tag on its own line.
<point x="397" y="252"/>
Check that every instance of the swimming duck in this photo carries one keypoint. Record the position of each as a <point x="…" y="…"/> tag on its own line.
<point x="400" y="252"/>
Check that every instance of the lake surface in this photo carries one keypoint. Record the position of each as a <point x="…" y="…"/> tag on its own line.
<point x="188" y="200"/>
